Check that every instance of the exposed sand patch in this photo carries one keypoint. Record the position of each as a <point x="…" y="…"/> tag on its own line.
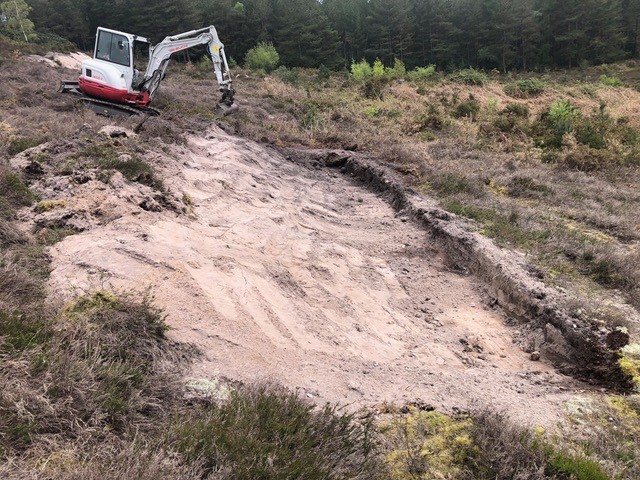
<point x="303" y="277"/>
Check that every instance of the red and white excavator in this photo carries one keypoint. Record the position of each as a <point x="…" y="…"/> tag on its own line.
<point x="111" y="84"/>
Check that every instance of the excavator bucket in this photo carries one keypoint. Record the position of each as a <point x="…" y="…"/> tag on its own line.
<point x="226" y="106"/>
<point x="223" y="109"/>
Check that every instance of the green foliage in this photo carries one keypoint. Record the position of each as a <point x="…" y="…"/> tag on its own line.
<point x="105" y="156"/>
<point x="398" y="71"/>
<point x="576" y="468"/>
<point x="378" y="70"/>
<point x="323" y="74"/>
<point x="372" y="111"/>
<point x="269" y="432"/>
<point x="602" y="269"/>
<point x="312" y="118"/>
<point x="262" y="57"/>
<point x="361" y="71"/>
<point x="559" y="119"/>
<point x="420" y="74"/>
<point x="610" y="81"/>
<point x="17" y="24"/>
<point x="52" y="235"/>
<point x="593" y="131"/>
<point x="630" y="364"/>
<point x="433" y="119"/>
<point x="563" y="113"/>
<point x="504" y="123"/>
<point x="133" y="169"/>
<point x="470" y="76"/>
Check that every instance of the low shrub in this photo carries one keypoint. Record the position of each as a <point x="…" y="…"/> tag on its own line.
<point x="585" y="159"/>
<point x="610" y="81"/>
<point x="373" y="88"/>
<point x="527" y="187"/>
<point x="398" y="71"/>
<point x="262" y="57"/>
<point x="516" y="110"/>
<point x="323" y="73"/>
<point x="312" y="118"/>
<point x="574" y="467"/>
<point x="361" y="71"/>
<point x="468" y="109"/>
<point x="453" y="183"/>
<point x="420" y="74"/>
<point x="19" y="332"/>
<point x="288" y="75"/>
<point x="525" y="88"/>
<point x="504" y="123"/>
<point x="265" y="431"/>
<point x="428" y="444"/>
<point x="470" y="76"/>
<point x="560" y="118"/>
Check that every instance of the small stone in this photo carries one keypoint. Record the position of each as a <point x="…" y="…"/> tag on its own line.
<point x="535" y="356"/>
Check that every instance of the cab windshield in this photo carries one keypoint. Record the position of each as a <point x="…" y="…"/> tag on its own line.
<point x="113" y="48"/>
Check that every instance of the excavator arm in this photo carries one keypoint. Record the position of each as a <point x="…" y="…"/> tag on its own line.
<point x="160" y="54"/>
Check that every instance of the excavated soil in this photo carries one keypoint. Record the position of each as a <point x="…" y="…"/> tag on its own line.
<point x="293" y="273"/>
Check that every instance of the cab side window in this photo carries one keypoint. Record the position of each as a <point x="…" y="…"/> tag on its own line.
<point x="113" y="48"/>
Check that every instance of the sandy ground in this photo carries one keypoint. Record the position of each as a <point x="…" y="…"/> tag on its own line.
<point x="300" y="276"/>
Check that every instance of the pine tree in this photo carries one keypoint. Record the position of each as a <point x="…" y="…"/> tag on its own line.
<point x="347" y="17"/>
<point x="303" y="36"/>
<point x="389" y="29"/>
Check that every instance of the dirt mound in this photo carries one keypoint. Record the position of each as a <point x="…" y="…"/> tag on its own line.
<point x="295" y="273"/>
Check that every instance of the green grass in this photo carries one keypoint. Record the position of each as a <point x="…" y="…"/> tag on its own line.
<point x="20" y="332"/>
<point x="13" y="193"/>
<point x="575" y="468"/>
<point x="505" y="229"/>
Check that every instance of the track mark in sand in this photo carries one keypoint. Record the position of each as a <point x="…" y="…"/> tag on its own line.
<point x="301" y="276"/>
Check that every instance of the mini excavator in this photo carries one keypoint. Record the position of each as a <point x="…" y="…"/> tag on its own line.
<point x="110" y="83"/>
